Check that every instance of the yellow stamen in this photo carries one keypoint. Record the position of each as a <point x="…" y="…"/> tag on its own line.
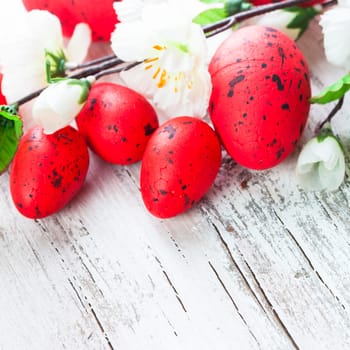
<point x="162" y="79"/>
<point x="158" y="47"/>
<point x="150" y="60"/>
<point x="156" y="73"/>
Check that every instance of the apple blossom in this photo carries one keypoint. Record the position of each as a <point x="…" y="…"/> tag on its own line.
<point x="335" y="25"/>
<point x="35" y="49"/>
<point x="58" y="104"/>
<point x="321" y="164"/>
<point x="173" y="50"/>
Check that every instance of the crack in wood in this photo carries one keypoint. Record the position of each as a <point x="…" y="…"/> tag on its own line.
<point x="131" y="176"/>
<point x="77" y="294"/>
<point x="99" y="323"/>
<point x="326" y="212"/>
<point x="171" y="285"/>
<point x="41" y="226"/>
<point x="232" y="259"/>
<point x="275" y="313"/>
<point x="309" y="262"/>
<point x="233" y="303"/>
<point x="65" y="267"/>
<point x="276" y="316"/>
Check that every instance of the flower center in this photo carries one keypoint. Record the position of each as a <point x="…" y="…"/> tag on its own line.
<point x="162" y="59"/>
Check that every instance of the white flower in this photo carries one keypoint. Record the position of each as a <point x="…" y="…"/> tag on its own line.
<point x="29" y="45"/>
<point x="59" y="103"/>
<point x="336" y="30"/>
<point x="174" y="72"/>
<point x="321" y="164"/>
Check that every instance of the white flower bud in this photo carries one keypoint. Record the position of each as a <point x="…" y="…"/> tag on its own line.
<point x="58" y="105"/>
<point x="335" y="25"/>
<point x="321" y="164"/>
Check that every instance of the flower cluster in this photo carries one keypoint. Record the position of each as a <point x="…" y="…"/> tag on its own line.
<point x="159" y="48"/>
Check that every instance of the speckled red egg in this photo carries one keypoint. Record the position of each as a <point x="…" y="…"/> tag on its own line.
<point x="179" y="165"/>
<point x="48" y="171"/>
<point x="260" y="98"/>
<point x="117" y="122"/>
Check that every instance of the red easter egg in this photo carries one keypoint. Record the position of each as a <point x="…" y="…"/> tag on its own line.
<point x="99" y="15"/>
<point x="260" y="98"/>
<point x="179" y="165"/>
<point x="2" y="97"/>
<point x="48" y="171"/>
<point x="117" y="123"/>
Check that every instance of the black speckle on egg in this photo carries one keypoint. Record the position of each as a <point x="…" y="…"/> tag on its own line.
<point x="285" y="106"/>
<point x="56" y="178"/>
<point x="170" y="130"/>
<point x="148" y="129"/>
<point x="276" y="79"/>
<point x="279" y="153"/>
<point x="211" y="107"/>
<point x="270" y="29"/>
<point x="92" y="104"/>
<point x="282" y="55"/>
<point x="233" y="82"/>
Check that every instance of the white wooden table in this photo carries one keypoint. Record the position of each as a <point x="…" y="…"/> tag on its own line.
<point x="258" y="264"/>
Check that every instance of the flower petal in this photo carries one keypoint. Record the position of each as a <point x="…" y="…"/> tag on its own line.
<point x="336" y="29"/>
<point x="45" y="29"/>
<point x="24" y="70"/>
<point x="132" y="41"/>
<point x="57" y="106"/>
<point x="79" y="43"/>
<point x="321" y="165"/>
<point x="128" y="11"/>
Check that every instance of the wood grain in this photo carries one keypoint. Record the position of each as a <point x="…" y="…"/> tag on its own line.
<point x="258" y="264"/>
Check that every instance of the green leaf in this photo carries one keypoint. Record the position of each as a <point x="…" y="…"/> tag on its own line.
<point x="234" y="6"/>
<point x="210" y="16"/>
<point x="302" y="18"/>
<point x="215" y="14"/>
<point x="212" y="1"/>
<point x="85" y="88"/>
<point x="10" y="133"/>
<point x="333" y="92"/>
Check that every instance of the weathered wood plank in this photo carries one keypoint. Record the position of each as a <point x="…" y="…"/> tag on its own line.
<point x="258" y="264"/>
